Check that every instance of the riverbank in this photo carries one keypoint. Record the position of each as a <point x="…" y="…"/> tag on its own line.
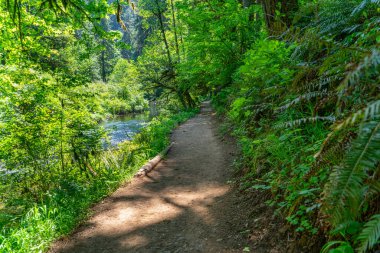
<point x="62" y="207"/>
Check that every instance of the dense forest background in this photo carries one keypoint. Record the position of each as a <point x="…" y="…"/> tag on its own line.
<point x="297" y="83"/>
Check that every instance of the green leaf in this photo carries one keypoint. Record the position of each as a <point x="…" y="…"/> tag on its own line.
<point x="370" y="234"/>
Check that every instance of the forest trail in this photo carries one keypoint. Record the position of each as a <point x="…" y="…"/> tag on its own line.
<point x="184" y="205"/>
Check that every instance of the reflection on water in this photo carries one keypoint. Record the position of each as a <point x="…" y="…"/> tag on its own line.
<point x="124" y="128"/>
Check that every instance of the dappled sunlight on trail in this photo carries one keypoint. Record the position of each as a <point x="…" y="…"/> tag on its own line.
<point x="183" y="205"/>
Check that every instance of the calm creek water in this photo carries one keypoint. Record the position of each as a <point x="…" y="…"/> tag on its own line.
<point x="124" y="127"/>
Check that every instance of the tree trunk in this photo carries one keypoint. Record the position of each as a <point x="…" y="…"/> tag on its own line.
<point x="189" y="99"/>
<point x="61" y="136"/>
<point x="181" y="99"/>
<point x="175" y="31"/>
<point x="3" y="58"/>
<point x="162" y="28"/>
<point x="103" y="64"/>
<point x="278" y="15"/>
<point x="289" y="7"/>
<point x="103" y="24"/>
<point x="181" y="39"/>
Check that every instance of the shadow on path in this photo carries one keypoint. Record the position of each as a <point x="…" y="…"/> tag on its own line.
<point x="183" y="205"/>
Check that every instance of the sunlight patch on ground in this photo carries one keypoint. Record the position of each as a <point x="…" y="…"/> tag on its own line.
<point x="126" y="214"/>
<point x="134" y="241"/>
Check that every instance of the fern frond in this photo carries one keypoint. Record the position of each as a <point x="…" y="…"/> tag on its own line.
<point x="334" y="16"/>
<point x="370" y="234"/>
<point x="352" y="28"/>
<point x="301" y="121"/>
<point x="342" y="245"/>
<point x="256" y="109"/>
<point x="343" y="192"/>
<point x="353" y="77"/>
<point x="371" y="112"/>
<point x="257" y="106"/>
<point x="363" y="5"/>
<point x="324" y="81"/>
<point x="374" y="188"/>
<point x="305" y="97"/>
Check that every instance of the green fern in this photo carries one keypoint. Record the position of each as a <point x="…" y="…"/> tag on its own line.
<point x="370" y="62"/>
<point x="324" y="81"/>
<point x="364" y="4"/>
<point x="301" y="121"/>
<point x="370" y="112"/>
<point x="304" y="97"/>
<point x="344" y="193"/>
<point x="335" y="16"/>
<point x="370" y="234"/>
<point x="339" y="246"/>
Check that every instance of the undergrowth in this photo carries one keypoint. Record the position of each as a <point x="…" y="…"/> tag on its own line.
<point x="61" y="208"/>
<point x="305" y="110"/>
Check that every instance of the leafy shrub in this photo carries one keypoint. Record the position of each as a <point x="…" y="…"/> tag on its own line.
<point x="66" y="203"/>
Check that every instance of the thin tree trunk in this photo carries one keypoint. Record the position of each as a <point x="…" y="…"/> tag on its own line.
<point x="61" y="136"/>
<point x="175" y="31"/>
<point x="181" y="39"/>
<point x="269" y="7"/>
<point x="277" y="24"/>
<point x="3" y="57"/>
<point x="103" y="64"/>
<point x="189" y="99"/>
<point x="288" y="7"/>
<point x="162" y="28"/>
<point x="181" y="99"/>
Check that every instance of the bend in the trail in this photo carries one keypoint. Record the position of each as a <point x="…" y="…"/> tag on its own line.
<point x="183" y="205"/>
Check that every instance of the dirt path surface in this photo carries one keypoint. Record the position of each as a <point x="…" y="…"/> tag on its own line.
<point x="183" y="205"/>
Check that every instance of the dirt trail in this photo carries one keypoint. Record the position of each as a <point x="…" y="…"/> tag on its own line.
<point x="183" y="205"/>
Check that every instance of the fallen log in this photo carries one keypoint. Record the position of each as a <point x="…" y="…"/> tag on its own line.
<point x="149" y="166"/>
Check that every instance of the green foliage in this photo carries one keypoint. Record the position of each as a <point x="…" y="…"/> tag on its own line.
<point x="61" y="75"/>
<point x="265" y="65"/>
<point x="345" y="193"/>
<point x="283" y="96"/>
<point x="66" y="202"/>
<point x="339" y="247"/>
<point x="123" y="94"/>
<point x="370" y="234"/>
<point x="220" y="33"/>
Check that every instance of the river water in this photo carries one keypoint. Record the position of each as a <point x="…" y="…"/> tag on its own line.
<point x="118" y="129"/>
<point x="124" y="128"/>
